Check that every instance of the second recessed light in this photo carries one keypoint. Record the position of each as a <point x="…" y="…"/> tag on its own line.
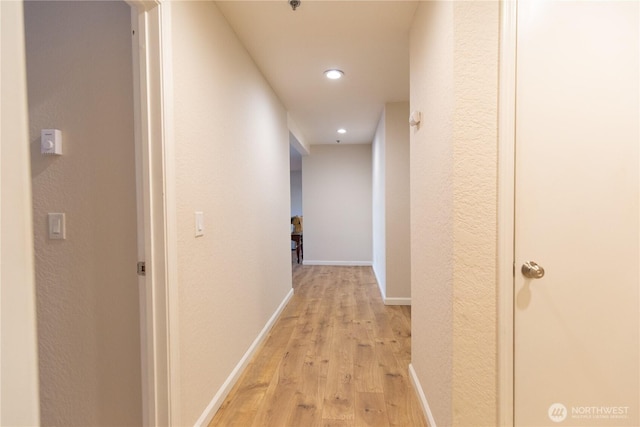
<point x="342" y="131"/>
<point x="334" y="74"/>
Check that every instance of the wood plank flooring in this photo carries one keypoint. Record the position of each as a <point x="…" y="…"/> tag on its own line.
<point x="337" y="357"/>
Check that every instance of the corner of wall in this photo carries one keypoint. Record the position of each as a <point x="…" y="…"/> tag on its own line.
<point x="303" y="146"/>
<point x="379" y="281"/>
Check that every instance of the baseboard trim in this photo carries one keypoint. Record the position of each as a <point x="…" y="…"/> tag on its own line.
<point x="397" y="301"/>
<point x="389" y="300"/>
<point x="231" y="380"/>
<point x="379" y="282"/>
<point x="339" y="263"/>
<point x="422" y="398"/>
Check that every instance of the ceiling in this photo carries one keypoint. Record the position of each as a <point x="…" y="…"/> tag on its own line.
<point x="368" y="40"/>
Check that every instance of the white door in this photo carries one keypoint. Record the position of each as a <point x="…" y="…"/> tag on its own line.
<point x="577" y="192"/>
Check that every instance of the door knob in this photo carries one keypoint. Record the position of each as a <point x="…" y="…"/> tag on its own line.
<point x="532" y="270"/>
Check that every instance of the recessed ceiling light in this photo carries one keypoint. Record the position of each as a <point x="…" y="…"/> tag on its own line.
<point x="342" y="131"/>
<point x="334" y="74"/>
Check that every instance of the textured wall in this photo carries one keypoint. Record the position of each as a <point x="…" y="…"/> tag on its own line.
<point x="232" y="163"/>
<point x="79" y="66"/>
<point x="19" y="400"/>
<point x="336" y="183"/>
<point x="454" y="78"/>
<point x="432" y="205"/>
<point x="475" y="211"/>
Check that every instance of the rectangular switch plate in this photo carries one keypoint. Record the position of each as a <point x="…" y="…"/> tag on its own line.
<point x="199" y="224"/>
<point x="57" y="227"/>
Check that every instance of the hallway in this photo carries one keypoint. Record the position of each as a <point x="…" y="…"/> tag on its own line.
<point x="336" y="357"/>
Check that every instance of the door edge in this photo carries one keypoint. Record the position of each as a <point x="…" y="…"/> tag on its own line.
<point x="154" y="146"/>
<point x="506" y="204"/>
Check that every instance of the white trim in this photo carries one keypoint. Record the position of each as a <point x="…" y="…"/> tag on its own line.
<point x="153" y="141"/>
<point x="422" y="398"/>
<point x="506" y="203"/>
<point x="231" y="380"/>
<point x="397" y="301"/>
<point x="170" y="224"/>
<point x="339" y="263"/>
<point x="19" y="386"/>
<point x="138" y="40"/>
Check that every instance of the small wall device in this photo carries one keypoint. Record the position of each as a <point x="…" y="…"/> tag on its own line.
<point x="415" y="118"/>
<point x="51" y="142"/>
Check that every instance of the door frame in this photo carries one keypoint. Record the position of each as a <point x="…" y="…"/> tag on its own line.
<point x="507" y="268"/>
<point x="506" y="209"/>
<point x="19" y="384"/>
<point x="155" y="172"/>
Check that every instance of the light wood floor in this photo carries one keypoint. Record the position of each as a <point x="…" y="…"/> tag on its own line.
<point x="336" y="357"/>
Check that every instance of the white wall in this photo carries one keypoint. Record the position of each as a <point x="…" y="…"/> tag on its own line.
<point x="336" y="183"/>
<point x="19" y="400"/>
<point x="80" y="80"/>
<point x="431" y="210"/>
<point x="391" y="228"/>
<point x="378" y="182"/>
<point x="454" y="78"/>
<point x="397" y="203"/>
<point x="232" y="279"/>
<point x="296" y="193"/>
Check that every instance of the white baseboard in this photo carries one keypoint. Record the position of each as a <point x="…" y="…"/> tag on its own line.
<point x="389" y="300"/>
<point x="397" y="301"/>
<point x="231" y="380"/>
<point x="422" y="398"/>
<point x="339" y="263"/>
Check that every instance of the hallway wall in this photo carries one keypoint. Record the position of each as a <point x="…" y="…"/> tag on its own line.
<point x="391" y="228"/>
<point x="232" y="163"/>
<point x="454" y="82"/>
<point x="80" y="80"/>
<point x="378" y="214"/>
<point x="336" y="183"/>
<point x="296" y="192"/>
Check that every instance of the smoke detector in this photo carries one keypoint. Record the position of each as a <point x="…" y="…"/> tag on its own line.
<point x="294" y="4"/>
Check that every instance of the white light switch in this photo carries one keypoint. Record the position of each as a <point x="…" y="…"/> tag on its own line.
<point x="199" y="224"/>
<point x="57" y="229"/>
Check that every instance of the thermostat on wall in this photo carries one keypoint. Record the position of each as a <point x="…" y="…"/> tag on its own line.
<point x="51" y="141"/>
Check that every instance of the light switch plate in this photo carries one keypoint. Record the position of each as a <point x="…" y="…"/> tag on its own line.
<point x="199" y="224"/>
<point x="57" y="226"/>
